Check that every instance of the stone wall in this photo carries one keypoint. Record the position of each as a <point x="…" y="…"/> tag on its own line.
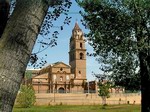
<point x="85" y="99"/>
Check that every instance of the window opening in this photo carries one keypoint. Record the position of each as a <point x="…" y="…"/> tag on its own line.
<point x="80" y="45"/>
<point x="61" y="69"/>
<point x="81" y="55"/>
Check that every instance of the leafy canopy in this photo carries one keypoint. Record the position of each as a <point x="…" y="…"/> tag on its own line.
<point x="119" y="30"/>
<point x="26" y="97"/>
<point x="104" y="89"/>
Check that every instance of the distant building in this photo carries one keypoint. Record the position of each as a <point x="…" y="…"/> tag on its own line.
<point x="60" y="77"/>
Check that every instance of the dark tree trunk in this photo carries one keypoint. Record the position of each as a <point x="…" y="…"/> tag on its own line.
<point x="16" y="45"/>
<point x="145" y="80"/>
<point x="4" y="12"/>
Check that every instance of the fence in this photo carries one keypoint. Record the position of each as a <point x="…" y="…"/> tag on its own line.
<point x="63" y="91"/>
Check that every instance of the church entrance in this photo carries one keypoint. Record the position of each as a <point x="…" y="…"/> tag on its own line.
<point x="61" y="90"/>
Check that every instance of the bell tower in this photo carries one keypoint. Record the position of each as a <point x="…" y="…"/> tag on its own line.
<point x="77" y="54"/>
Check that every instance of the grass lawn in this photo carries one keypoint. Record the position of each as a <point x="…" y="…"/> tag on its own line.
<point x="84" y="108"/>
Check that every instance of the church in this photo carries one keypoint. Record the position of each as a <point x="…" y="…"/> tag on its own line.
<point x="64" y="78"/>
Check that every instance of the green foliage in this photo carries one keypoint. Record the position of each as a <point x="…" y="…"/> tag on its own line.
<point x="119" y="31"/>
<point x="28" y="74"/>
<point x="131" y="83"/>
<point x="104" y="89"/>
<point x="26" y="97"/>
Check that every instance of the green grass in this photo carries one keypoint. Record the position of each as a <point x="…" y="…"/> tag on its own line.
<point x="84" y="108"/>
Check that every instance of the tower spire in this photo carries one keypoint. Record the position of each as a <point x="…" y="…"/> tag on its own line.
<point x="77" y="54"/>
<point x="76" y="27"/>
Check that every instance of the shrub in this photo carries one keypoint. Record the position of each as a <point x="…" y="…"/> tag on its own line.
<point x="26" y="97"/>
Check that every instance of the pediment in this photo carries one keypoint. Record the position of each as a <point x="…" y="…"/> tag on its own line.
<point x="61" y="64"/>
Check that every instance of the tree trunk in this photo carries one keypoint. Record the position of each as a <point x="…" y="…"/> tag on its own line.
<point x="103" y="100"/>
<point x="145" y="80"/>
<point x="4" y="12"/>
<point x="16" y="45"/>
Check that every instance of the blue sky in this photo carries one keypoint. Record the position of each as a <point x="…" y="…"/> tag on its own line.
<point x="60" y="52"/>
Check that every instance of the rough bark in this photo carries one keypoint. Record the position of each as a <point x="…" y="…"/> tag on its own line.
<point x="16" y="45"/>
<point x="145" y="81"/>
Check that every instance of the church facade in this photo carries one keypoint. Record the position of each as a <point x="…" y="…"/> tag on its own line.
<point x="63" y="78"/>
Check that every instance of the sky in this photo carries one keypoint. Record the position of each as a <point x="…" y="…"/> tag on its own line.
<point x="60" y="52"/>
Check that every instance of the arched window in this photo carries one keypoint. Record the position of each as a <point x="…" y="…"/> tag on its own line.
<point x="81" y="45"/>
<point x="79" y="72"/>
<point x="61" y="90"/>
<point x="81" y="55"/>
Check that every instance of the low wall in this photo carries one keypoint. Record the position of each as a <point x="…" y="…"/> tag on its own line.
<point x="85" y="99"/>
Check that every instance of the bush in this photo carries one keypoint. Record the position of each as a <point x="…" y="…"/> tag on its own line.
<point x="26" y="97"/>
